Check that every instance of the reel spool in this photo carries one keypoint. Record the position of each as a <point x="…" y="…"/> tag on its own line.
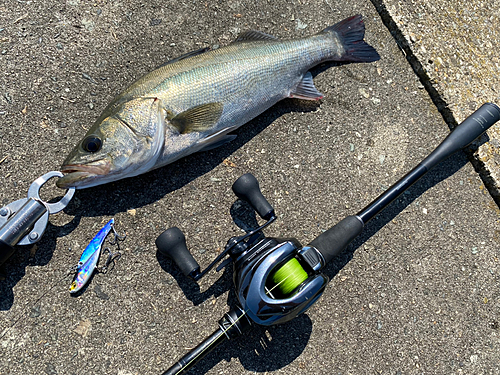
<point x="288" y="277"/>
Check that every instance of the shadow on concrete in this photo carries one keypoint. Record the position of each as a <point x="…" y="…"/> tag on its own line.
<point x="261" y="350"/>
<point x="190" y="288"/>
<point x="37" y="255"/>
<point x="245" y="218"/>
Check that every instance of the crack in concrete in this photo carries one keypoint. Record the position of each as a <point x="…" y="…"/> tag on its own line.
<point x="438" y="100"/>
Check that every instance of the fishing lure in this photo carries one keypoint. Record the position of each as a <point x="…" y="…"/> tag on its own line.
<point x="90" y="257"/>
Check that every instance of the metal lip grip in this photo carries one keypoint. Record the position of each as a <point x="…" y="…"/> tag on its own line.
<point x="23" y="222"/>
<point x="265" y="310"/>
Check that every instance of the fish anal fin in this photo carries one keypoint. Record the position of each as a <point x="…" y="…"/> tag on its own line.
<point x="306" y="89"/>
<point x="197" y="119"/>
<point x="187" y="55"/>
<point x="253" y="35"/>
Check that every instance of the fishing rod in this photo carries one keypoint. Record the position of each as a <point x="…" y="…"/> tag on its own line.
<point x="278" y="279"/>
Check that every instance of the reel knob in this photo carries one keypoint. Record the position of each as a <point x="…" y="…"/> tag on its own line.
<point x="247" y="188"/>
<point x="172" y="244"/>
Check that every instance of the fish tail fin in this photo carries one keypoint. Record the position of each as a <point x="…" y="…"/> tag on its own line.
<point x="351" y="33"/>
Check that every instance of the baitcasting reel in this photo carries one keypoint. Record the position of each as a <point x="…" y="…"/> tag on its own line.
<point x="275" y="279"/>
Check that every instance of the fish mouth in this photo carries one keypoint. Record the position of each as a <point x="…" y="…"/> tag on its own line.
<point x="78" y="175"/>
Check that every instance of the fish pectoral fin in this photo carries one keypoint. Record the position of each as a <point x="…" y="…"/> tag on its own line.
<point x="185" y="56"/>
<point x="306" y="89"/>
<point x="199" y="118"/>
<point x="217" y="139"/>
<point x="252" y="36"/>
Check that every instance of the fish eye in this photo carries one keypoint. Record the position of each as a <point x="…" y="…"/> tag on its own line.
<point x="92" y="143"/>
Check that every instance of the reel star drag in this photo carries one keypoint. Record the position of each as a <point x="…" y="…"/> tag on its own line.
<point x="277" y="279"/>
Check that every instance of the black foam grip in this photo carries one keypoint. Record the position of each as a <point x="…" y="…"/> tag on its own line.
<point x="247" y="188"/>
<point x="5" y="251"/>
<point x="332" y="242"/>
<point x="172" y="244"/>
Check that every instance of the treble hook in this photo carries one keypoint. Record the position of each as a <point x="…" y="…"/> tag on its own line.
<point x="111" y="259"/>
<point x="117" y="237"/>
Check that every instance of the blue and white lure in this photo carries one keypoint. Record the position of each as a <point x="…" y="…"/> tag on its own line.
<point x="90" y="257"/>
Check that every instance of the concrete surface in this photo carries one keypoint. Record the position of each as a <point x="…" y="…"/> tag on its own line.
<point x="453" y="47"/>
<point x="416" y="294"/>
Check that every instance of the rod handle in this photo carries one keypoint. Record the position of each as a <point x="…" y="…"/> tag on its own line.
<point x="470" y="129"/>
<point x="196" y="354"/>
<point x="332" y="242"/>
<point x="247" y="188"/>
<point x="233" y="324"/>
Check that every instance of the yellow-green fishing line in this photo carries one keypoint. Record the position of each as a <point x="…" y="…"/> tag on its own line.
<point x="289" y="276"/>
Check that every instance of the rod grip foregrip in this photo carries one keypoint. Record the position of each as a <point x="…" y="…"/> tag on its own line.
<point x="336" y="239"/>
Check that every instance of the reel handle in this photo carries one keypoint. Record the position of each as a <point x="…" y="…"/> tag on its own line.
<point x="172" y="244"/>
<point x="247" y="188"/>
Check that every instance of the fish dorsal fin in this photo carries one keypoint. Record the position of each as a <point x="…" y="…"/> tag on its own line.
<point x="252" y="36"/>
<point x="306" y="89"/>
<point x="185" y="56"/>
<point x="197" y="119"/>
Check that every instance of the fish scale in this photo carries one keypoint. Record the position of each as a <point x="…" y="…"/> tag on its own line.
<point x="254" y="67"/>
<point x="192" y="103"/>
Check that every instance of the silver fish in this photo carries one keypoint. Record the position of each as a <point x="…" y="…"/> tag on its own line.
<point x="191" y="103"/>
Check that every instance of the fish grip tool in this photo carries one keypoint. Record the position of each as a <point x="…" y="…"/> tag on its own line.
<point x="24" y="221"/>
<point x="277" y="279"/>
